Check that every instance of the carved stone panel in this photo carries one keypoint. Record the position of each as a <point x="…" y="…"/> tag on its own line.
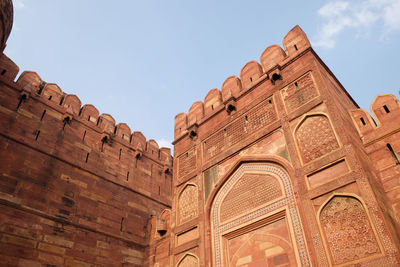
<point x="347" y="230"/>
<point x="299" y="92"/>
<point x="315" y="138"/>
<point x="258" y="117"/>
<point x="186" y="163"/>
<point x="251" y="191"/>
<point x="188" y="204"/>
<point x="188" y="261"/>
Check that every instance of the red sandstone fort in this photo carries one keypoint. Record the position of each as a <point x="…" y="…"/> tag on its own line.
<point x="278" y="168"/>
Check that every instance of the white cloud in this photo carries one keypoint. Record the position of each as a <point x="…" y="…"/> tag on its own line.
<point x="164" y="143"/>
<point x="338" y="16"/>
<point x="18" y="4"/>
<point x="391" y="16"/>
<point x="333" y="9"/>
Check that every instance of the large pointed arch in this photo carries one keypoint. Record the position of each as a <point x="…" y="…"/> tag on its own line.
<point x="285" y="206"/>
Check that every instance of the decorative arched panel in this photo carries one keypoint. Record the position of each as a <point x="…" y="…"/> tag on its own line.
<point x="254" y="219"/>
<point x="347" y="230"/>
<point x="315" y="137"/>
<point x="188" y="260"/>
<point x="188" y="204"/>
<point x="252" y="190"/>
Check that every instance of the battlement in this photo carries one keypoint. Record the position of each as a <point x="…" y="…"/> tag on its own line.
<point x="272" y="60"/>
<point x="59" y="125"/>
<point x="72" y="109"/>
<point x="385" y="118"/>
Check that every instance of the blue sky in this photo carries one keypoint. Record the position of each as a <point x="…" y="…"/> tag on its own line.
<point x="143" y="62"/>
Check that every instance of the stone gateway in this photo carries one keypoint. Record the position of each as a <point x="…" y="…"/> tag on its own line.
<point x="278" y="168"/>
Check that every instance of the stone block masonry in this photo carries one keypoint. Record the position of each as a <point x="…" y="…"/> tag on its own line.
<point x="279" y="168"/>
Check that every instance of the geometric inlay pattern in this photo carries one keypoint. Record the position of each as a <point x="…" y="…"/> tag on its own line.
<point x="259" y="116"/>
<point x="315" y="137"/>
<point x="189" y="261"/>
<point x="220" y="228"/>
<point x="186" y="163"/>
<point x="347" y="230"/>
<point x="300" y="92"/>
<point x="251" y="191"/>
<point x="188" y="204"/>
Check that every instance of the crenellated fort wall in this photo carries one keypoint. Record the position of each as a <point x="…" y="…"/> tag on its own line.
<point x="75" y="189"/>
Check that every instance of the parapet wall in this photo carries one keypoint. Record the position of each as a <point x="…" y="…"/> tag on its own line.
<point x="75" y="188"/>
<point x="380" y="135"/>
<point x="386" y="118"/>
<point x="272" y="60"/>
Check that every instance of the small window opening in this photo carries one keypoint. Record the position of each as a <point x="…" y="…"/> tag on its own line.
<point x="88" y="118"/>
<point x="127" y="176"/>
<point x="246" y="118"/>
<point x="84" y="135"/>
<point x="297" y="85"/>
<point x="103" y="141"/>
<point x="3" y="72"/>
<point x="87" y="157"/>
<point x="386" y="109"/>
<point x="231" y="108"/>
<point x="122" y="224"/>
<point x="23" y="97"/>
<point x="159" y="190"/>
<point x="61" y="100"/>
<point x="50" y="97"/>
<point x="37" y="132"/>
<point x="276" y="77"/>
<point x="270" y="101"/>
<point x="251" y="79"/>
<point x="212" y="107"/>
<point x="193" y="134"/>
<point x="295" y="47"/>
<point x="65" y="121"/>
<point x="41" y="86"/>
<point x="187" y="154"/>
<point x="394" y="154"/>
<point x="44" y="112"/>
<point x="120" y="153"/>
<point x="362" y="121"/>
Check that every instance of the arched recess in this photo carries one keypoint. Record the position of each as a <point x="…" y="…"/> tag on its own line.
<point x="188" y="206"/>
<point x="258" y="221"/>
<point x="315" y="137"/>
<point x="189" y="260"/>
<point x="347" y="231"/>
<point x="163" y="223"/>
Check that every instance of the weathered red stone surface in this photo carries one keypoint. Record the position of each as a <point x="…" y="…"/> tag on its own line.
<point x="279" y="168"/>
<point x="74" y="187"/>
